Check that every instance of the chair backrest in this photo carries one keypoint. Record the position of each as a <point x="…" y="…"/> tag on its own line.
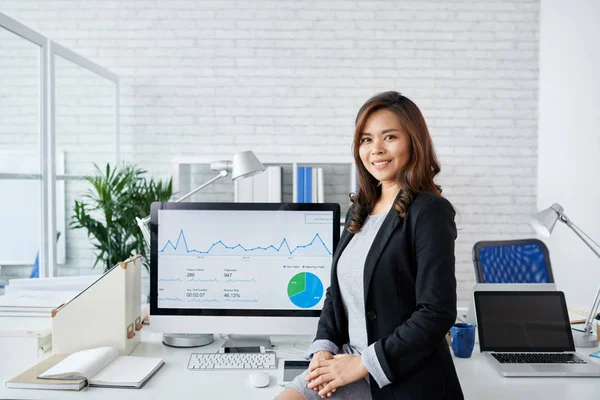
<point x="512" y="261"/>
<point x="35" y="270"/>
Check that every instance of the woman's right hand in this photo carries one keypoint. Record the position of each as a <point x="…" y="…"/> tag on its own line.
<point x="320" y="355"/>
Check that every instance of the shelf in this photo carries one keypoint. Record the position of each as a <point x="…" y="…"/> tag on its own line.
<point x="338" y="174"/>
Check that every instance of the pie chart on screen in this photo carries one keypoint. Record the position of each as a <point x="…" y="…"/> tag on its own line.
<point x="305" y="290"/>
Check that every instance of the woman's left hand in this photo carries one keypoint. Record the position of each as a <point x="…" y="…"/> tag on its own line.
<point x="342" y="370"/>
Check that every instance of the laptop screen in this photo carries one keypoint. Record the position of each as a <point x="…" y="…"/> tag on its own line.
<point x="523" y="321"/>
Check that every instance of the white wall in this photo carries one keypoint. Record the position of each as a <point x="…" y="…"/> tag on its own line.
<point x="287" y="77"/>
<point x="569" y="138"/>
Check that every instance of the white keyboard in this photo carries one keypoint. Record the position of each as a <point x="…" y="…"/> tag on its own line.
<point x="231" y="361"/>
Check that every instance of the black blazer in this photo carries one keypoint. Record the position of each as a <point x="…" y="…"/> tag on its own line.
<point x="410" y="301"/>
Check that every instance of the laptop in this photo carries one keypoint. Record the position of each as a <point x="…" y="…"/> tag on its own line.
<point x="497" y="287"/>
<point x="529" y="334"/>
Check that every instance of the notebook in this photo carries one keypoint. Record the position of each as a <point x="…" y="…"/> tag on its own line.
<point x="526" y="333"/>
<point x="29" y="379"/>
<point x="99" y="367"/>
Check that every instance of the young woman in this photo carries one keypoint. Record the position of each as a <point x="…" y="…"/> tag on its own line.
<point x="392" y="297"/>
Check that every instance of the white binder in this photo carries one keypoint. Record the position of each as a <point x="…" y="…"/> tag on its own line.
<point x="107" y="313"/>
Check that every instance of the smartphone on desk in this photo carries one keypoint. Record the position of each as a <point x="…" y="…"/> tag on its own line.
<point x="288" y="370"/>
<point x="242" y="349"/>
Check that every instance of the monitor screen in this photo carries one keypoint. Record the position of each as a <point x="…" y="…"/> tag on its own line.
<point x="241" y="259"/>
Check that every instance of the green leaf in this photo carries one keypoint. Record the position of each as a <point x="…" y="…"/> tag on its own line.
<point x="116" y="196"/>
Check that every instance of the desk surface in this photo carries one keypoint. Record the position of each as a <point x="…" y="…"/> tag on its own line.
<point x="478" y="379"/>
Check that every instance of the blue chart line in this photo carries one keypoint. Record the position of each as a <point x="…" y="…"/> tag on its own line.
<point x="170" y="280"/>
<point x="204" y="280"/>
<point x="241" y="280"/>
<point x="242" y="301"/>
<point x="283" y="244"/>
<point x="169" y="299"/>
<point x="203" y="301"/>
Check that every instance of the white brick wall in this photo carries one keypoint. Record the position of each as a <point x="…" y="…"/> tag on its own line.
<point x="287" y="77"/>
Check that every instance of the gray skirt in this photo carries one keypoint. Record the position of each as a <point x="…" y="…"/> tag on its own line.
<point x="359" y="390"/>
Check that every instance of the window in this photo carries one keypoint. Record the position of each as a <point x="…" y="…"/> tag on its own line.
<point x="59" y="117"/>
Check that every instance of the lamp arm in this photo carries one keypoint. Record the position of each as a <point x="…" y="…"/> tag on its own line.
<point x="222" y="174"/>
<point x="143" y="225"/>
<point x="583" y="236"/>
<point x="590" y="318"/>
<point x="144" y="222"/>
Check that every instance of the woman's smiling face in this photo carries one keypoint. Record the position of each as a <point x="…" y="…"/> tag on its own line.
<point x="385" y="147"/>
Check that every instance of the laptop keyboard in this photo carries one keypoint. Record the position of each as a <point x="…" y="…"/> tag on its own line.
<point x="537" y="358"/>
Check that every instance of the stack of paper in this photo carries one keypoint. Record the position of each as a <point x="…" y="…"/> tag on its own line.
<point x="33" y="303"/>
<point x="32" y="336"/>
<point x="577" y="315"/>
<point x="62" y="283"/>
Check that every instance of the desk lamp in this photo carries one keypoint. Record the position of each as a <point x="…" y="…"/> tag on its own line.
<point x="243" y="165"/>
<point x="543" y="222"/>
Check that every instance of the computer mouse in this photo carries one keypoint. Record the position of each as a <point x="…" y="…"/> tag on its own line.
<point x="259" y="379"/>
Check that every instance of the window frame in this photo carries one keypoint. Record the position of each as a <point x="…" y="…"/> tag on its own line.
<point x="48" y="265"/>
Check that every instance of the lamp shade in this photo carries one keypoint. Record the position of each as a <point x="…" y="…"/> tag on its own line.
<point x="544" y="221"/>
<point x="245" y="164"/>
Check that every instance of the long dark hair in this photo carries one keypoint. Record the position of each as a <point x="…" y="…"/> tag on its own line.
<point x="419" y="172"/>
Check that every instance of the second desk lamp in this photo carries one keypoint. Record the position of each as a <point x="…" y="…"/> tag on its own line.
<point x="543" y="222"/>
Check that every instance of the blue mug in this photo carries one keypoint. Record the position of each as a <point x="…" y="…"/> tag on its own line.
<point x="462" y="337"/>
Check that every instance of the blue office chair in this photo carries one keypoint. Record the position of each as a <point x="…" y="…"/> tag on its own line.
<point x="35" y="271"/>
<point x="512" y="261"/>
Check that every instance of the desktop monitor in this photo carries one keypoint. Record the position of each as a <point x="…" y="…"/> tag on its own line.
<point x="240" y="268"/>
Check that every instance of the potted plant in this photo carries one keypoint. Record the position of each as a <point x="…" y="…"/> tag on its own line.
<point x="109" y="208"/>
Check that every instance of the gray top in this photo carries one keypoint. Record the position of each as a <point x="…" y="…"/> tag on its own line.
<point x="350" y="274"/>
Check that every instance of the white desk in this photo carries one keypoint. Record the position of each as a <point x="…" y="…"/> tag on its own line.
<point x="478" y="379"/>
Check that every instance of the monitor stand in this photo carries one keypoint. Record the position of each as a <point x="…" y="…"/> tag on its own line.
<point x="187" y="339"/>
<point x="248" y="341"/>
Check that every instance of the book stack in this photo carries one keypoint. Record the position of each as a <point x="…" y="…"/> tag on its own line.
<point x="28" y="303"/>
<point x="33" y="336"/>
<point x="309" y="185"/>
<point x="54" y="284"/>
<point x="25" y="319"/>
